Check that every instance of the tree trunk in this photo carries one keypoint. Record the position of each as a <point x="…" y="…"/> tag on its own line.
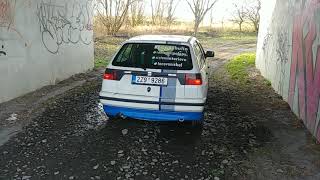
<point x="256" y="27"/>
<point x="196" y="28"/>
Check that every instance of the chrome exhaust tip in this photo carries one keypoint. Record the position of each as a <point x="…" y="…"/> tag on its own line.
<point x="122" y="116"/>
<point x="181" y="120"/>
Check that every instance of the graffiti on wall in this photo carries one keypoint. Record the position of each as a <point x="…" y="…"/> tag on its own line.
<point x="2" y="51"/>
<point x="305" y="65"/>
<point x="7" y="8"/>
<point x="70" y="23"/>
<point x="266" y="40"/>
<point x="282" y="51"/>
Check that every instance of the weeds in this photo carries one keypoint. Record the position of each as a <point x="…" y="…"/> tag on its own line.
<point x="268" y="82"/>
<point x="104" y="49"/>
<point x="238" y="66"/>
<point x="100" y="62"/>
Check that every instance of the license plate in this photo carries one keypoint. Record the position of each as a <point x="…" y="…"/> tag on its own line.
<point x="150" y="80"/>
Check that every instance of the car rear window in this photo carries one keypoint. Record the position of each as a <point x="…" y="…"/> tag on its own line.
<point x="154" y="56"/>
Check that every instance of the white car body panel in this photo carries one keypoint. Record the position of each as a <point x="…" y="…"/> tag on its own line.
<point x="174" y="96"/>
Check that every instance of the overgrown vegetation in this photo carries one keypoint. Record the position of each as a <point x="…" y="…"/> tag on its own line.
<point x="247" y="14"/>
<point x="239" y="66"/>
<point x="106" y="47"/>
<point x="100" y="62"/>
<point x="114" y="17"/>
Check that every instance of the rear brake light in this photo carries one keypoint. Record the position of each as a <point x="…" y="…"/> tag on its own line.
<point x="111" y="75"/>
<point x="193" y="79"/>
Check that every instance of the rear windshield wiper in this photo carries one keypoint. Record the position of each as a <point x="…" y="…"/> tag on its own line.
<point x="144" y="66"/>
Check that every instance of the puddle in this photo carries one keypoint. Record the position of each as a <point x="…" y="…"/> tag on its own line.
<point x="7" y="133"/>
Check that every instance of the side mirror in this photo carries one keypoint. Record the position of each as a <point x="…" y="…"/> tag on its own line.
<point x="209" y="54"/>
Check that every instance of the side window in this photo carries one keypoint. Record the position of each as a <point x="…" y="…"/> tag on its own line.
<point x="202" y="50"/>
<point x="124" y="56"/>
<point x="199" y="54"/>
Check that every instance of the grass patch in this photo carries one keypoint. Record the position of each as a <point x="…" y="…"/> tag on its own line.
<point x="104" y="49"/>
<point x="100" y="62"/>
<point x="213" y="39"/>
<point x="238" y="66"/>
<point x="239" y="36"/>
<point x="268" y="82"/>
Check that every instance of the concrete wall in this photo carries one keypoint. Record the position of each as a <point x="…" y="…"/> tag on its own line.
<point x="288" y="54"/>
<point x="42" y="42"/>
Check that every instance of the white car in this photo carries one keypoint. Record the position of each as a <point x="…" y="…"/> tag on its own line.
<point x="157" y="78"/>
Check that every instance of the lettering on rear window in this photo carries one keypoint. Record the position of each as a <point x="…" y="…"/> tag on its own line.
<point x="154" y="56"/>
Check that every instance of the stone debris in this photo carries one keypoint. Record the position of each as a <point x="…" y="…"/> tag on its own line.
<point x="124" y="132"/>
<point x="73" y="130"/>
<point x="13" y="117"/>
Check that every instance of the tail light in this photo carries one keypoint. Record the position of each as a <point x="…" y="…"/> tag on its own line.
<point x="193" y="79"/>
<point x="110" y="75"/>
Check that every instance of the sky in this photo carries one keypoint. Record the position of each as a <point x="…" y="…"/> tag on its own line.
<point x="221" y="10"/>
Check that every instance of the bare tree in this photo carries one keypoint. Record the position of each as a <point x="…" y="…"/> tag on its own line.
<point x="157" y="11"/>
<point x="137" y="13"/>
<point x="199" y="9"/>
<point x="171" y="9"/>
<point x="222" y="23"/>
<point x="211" y="18"/>
<point x="113" y="13"/>
<point x="253" y="14"/>
<point x="239" y="15"/>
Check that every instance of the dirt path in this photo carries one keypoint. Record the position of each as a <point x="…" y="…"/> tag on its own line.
<point x="72" y="139"/>
<point x="286" y="150"/>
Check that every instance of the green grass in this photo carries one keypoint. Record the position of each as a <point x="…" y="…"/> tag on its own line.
<point x="211" y="40"/>
<point x="239" y="65"/>
<point x="100" y="62"/>
<point x="268" y="82"/>
<point x="104" y="49"/>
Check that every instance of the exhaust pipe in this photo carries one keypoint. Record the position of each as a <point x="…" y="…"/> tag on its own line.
<point x="122" y="116"/>
<point x="181" y="120"/>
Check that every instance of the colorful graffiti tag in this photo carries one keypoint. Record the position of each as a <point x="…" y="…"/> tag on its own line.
<point x="305" y="65"/>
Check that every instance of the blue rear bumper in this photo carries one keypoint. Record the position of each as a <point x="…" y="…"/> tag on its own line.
<point x="153" y="115"/>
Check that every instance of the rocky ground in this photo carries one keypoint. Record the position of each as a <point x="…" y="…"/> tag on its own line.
<point x="72" y="139"/>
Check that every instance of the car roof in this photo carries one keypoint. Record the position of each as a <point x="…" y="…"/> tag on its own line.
<point x="161" y="38"/>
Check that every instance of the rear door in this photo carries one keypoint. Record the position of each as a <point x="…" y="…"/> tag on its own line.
<point x="130" y="71"/>
<point x="149" y="72"/>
